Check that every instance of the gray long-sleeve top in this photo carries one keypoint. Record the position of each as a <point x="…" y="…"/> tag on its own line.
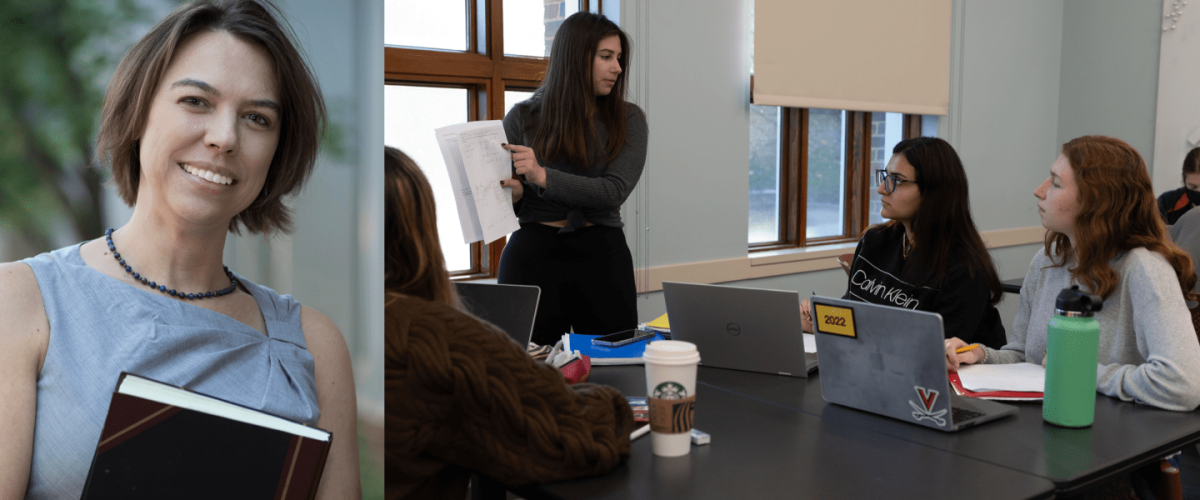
<point x="1148" y="348"/>
<point x="580" y="195"/>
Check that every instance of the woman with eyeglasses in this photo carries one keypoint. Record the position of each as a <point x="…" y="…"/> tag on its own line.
<point x="928" y="256"/>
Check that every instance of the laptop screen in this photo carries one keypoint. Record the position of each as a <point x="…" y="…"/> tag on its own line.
<point x="512" y="308"/>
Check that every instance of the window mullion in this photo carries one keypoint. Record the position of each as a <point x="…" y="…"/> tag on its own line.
<point x="798" y="165"/>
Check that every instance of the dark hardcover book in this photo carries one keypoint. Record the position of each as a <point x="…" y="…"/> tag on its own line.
<point x="162" y="441"/>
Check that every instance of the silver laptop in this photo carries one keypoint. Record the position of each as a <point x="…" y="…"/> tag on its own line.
<point x="512" y="308"/>
<point x="892" y="361"/>
<point x="748" y="329"/>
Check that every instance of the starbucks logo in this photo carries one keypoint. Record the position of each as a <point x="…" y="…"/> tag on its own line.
<point x="670" y="390"/>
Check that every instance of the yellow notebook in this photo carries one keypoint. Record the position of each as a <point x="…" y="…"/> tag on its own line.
<point x="660" y="323"/>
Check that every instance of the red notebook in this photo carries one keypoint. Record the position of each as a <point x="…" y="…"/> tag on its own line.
<point x="993" y="395"/>
<point x="162" y="441"/>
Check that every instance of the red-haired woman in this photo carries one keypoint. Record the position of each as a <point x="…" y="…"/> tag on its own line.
<point x="1104" y="234"/>
<point x="580" y="148"/>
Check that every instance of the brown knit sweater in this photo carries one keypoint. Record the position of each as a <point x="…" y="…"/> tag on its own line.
<point x="462" y="397"/>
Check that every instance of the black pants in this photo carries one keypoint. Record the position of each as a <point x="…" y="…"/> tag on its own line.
<point x="586" y="277"/>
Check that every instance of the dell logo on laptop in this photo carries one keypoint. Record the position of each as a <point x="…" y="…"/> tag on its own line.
<point x="733" y="329"/>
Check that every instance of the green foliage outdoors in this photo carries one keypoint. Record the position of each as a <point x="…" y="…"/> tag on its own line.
<point x="54" y="56"/>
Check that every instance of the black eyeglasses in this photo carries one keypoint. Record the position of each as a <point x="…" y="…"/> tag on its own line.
<point x="889" y="181"/>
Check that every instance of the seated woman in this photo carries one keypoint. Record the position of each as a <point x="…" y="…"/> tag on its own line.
<point x="208" y="122"/>
<point x="929" y="256"/>
<point x="1173" y="204"/>
<point x="462" y="397"/>
<point x="1104" y="235"/>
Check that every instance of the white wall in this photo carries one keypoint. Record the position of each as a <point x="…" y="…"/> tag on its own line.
<point x="1178" y="102"/>
<point x="1110" y="54"/>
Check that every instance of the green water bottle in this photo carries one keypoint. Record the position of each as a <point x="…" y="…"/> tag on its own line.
<point x="1072" y="345"/>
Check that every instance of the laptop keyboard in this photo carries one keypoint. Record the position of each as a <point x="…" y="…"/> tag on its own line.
<point x="960" y="414"/>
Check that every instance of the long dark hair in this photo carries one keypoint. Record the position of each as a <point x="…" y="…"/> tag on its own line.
<point x="566" y="102"/>
<point x="1117" y="213"/>
<point x="413" y="262"/>
<point x="943" y="229"/>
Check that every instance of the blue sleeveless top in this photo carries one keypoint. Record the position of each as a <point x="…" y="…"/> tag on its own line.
<point x="100" y="327"/>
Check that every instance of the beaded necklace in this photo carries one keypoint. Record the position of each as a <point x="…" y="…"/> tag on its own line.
<point x="233" y="282"/>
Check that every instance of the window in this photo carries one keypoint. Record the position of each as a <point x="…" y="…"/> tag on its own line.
<point x="448" y="62"/>
<point x="811" y="170"/>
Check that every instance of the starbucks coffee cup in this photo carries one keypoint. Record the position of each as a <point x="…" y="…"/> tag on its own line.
<point x="671" y="394"/>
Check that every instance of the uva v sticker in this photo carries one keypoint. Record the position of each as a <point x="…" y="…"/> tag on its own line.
<point x="924" y="410"/>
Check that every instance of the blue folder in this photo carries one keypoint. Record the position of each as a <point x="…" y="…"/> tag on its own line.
<point x="601" y="355"/>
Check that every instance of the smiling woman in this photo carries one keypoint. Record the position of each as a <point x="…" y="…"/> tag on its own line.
<point x="208" y="122"/>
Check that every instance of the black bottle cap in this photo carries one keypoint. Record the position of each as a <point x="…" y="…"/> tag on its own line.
<point x="1075" y="300"/>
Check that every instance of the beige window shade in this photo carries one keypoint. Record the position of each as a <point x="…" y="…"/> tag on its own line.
<point x="863" y="55"/>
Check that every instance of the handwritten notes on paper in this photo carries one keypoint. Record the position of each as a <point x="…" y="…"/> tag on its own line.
<point x="477" y="164"/>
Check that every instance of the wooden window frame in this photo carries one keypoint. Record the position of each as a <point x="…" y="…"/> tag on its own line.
<point x="486" y="72"/>
<point x="793" y="172"/>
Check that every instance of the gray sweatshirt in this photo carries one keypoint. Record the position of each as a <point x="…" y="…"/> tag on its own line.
<point x="581" y="195"/>
<point x="1148" y="348"/>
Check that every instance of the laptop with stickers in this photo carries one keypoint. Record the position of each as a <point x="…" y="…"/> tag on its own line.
<point x="512" y="308"/>
<point x="749" y="329"/>
<point x="892" y="361"/>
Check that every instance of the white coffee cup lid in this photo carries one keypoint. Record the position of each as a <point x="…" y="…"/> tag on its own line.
<point x="671" y="352"/>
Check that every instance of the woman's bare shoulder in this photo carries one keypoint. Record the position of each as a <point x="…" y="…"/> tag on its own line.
<point x="324" y="342"/>
<point x="23" y="323"/>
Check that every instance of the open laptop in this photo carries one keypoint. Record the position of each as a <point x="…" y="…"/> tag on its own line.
<point x="512" y="308"/>
<point x="892" y="361"/>
<point x="748" y="329"/>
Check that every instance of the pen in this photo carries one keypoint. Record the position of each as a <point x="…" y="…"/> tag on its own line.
<point x="963" y="349"/>
<point x="640" y="432"/>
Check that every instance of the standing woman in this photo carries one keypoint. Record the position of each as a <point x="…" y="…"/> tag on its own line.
<point x="579" y="149"/>
<point x="929" y="255"/>
<point x="208" y="122"/>
<point x="1103" y="234"/>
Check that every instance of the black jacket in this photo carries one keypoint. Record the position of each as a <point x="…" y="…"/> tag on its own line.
<point x="961" y="299"/>
<point x="1173" y="204"/>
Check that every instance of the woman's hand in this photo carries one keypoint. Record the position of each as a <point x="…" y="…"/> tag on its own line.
<point x="518" y="189"/>
<point x="526" y="164"/>
<point x="806" y="316"/>
<point x="955" y="359"/>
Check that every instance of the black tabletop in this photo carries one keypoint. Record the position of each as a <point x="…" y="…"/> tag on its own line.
<point x="1123" y="436"/>
<point x="767" y="446"/>
<point x="1013" y="285"/>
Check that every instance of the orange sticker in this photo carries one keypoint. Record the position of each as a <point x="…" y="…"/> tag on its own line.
<point x="835" y="320"/>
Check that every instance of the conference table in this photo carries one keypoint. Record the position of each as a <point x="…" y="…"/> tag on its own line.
<point x="775" y="436"/>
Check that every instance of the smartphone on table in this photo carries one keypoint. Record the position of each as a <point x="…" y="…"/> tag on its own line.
<point x="622" y="338"/>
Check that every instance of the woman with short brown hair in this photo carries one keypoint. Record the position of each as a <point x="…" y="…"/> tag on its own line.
<point x="209" y="121"/>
